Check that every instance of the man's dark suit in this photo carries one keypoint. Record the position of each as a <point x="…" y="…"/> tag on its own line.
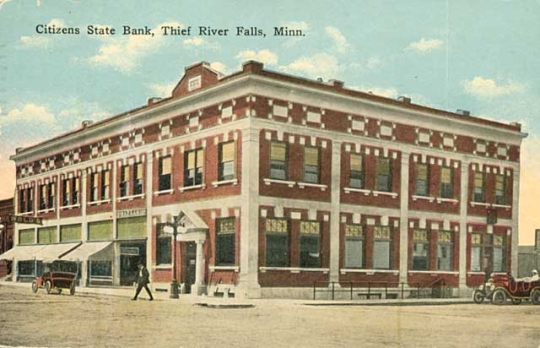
<point x="143" y="279"/>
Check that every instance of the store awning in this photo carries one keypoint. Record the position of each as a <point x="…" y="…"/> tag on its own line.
<point x="53" y="252"/>
<point x="86" y="250"/>
<point x="22" y="252"/>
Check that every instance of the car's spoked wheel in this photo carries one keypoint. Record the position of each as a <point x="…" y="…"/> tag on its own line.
<point x="48" y="286"/>
<point x="478" y="296"/>
<point x="535" y="296"/>
<point x="499" y="297"/>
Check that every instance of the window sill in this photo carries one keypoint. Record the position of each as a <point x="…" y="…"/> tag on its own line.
<point x="164" y="192"/>
<point x="193" y="187"/>
<point x="45" y="211"/>
<point x="447" y="200"/>
<point x="163" y="266"/>
<point x="476" y="273"/>
<point x="368" y="271"/>
<point x="351" y="189"/>
<point x="68" y="207"/>
<point x="130" y="198"/>
<point x="307" y="184"/>
<point x="225" y="182"/>
<point x="224" y="268"/>
<point x="293" y="269"/>
<point x="425" y="198"/>
<point x="480" y="204"/>
<point x="268" y="181"/>
<point x="105" y="201"/>
<point x="434" y="273"/>
<point x="383" y="193"/>
<point x="503" y="206"/>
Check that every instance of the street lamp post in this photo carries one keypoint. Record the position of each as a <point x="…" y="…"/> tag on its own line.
<point x="174" y="225"/>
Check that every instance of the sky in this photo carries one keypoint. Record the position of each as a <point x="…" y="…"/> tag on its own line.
<point x="477" y="55"/>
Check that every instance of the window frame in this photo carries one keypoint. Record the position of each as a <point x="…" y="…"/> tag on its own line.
<point x="198" y="171"/>
<point x="124" y="180"/>
<point x="447" y="188"/>
<point x="441" y="242"/>
<point x="354" y="233"/>
<point x="224" y="237"/>
<point x="421" y="237"/>
<point x="164" y="179"/>
<point x="388" y="177"/>
<point x="283" y="235"/>
<point x="138" y="181"/>
<point x="309" y="242"/>
<point x="277" y="165"/>
<point x="420" y="190"/>
<point x="380" y="240"/>
<point x="479" y="192"/>
<point x="223" y="165"/>
<point x="356" y="175"/>
<point x="312" y="169"/>
<point x="500" y="193"/>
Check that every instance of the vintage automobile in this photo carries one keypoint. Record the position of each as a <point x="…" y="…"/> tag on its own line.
<point x="484" y="291"/>
<point x="57" y="275"/>
<point x="506" y="287"/>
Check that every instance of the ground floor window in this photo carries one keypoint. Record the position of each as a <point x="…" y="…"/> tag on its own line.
<point x="445" y="251"/>
<point x="499" y="253"/>
<point x="310" y="255"/>
<point x="100" y="272"/>
<point x="354" y="246"/>
<point x="476" y="252"/>
<point x="420" y="257"/>
<point x="382" y="247"/>
<point x="277" y="243"/>
<point x="225" y="241"/>
<point x="27" y="268"/>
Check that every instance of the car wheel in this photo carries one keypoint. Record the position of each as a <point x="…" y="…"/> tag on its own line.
<point x="72" y="289"/>
<point x="499" y="297"/>
<point x="516" y="301"/>
<point x="478" y="296"/>
<point x="34" y="287"/>
<point x="535" y="296"/>
<point x="48" y="286"/>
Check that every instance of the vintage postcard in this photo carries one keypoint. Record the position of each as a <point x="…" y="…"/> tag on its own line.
<point x="269" y="173"/>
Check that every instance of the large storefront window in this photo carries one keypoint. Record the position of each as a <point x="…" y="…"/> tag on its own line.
<point x="277" y="243"/>
<point x="354" y="246"/>
<point x="131" y="228"/>
<point x="27" y="236"/>
<point x="420" y="259"/>
<point x="100" y="230"/>
<point x="225" y="241"/>
<point x="310" y="232"/>
<point x="70" y="233"/>
<point x="47" y="235"/>
<point x="100" y="272"/>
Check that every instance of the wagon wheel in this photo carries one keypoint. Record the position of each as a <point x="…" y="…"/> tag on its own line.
<point x="72" y="289"/>
<point x="516" y="301"/>
<point x="478" y="296"/>
<point x="535" y="296"/>
<point x="34" y="287"/>
<point x="499" y="297"/>
<point x="48" y="286"/>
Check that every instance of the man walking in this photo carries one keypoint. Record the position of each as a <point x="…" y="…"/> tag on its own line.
<point x="143" y="278"/>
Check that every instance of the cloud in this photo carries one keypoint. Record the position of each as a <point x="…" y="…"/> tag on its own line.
<point x="263" y="56"/>
<point x="340" y="42"/>
<point x="321" y="65"/>
<point x="29" y="113"/>
<point x="481" y="87"/>
<point x="41" y="41"/>
<point x="199" y="42"/>
<point x="373" y="62"/>
<point x="162" y="90"/>
<point x="424" y="45"/>
<point x="126" y="53"/>
<point x="220" y="67"/>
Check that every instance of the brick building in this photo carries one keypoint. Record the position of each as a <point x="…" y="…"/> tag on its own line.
<point x="280" y="182"/>
<point x="6" y="232"/>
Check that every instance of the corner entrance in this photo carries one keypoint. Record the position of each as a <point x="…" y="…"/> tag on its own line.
<point x="189" y="264"/>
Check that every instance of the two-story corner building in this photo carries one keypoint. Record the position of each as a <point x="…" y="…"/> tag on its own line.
<point x="281" y="182"/>
<point x="6" y="232"/>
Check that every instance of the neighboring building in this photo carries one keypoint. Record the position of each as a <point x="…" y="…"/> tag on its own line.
<point x="528" y="259"/>
<point x="6" y="233"/>
<point x="281" y="182"/>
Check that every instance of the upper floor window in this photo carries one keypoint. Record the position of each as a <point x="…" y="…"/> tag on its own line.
<point x="447" y="186"/>
<point x="278" y="160"/>
<point x="26" y="200"/>
<point x="124" y="181"/>
<point x="500" y="189"/>
<point x="105" y="184"/>
<point x="356" y="176"/>
<point x="384" y="175"/>
<point x="193" y="167"/>
<point x="46" y="196"/>
<point x="94" y="187"/>
<point x="422" y="179"/>
<point x="311" y="165"/>
<point x="138" y="179"/>
<point x="100" y="183"/>
<point x="165" y="173"/>
<point x="70" y="191"/>
<point x="226" y="161"/>
<point x="479" y="191"/>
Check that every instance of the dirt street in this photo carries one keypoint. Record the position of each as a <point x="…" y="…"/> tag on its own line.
<point x="40" y="320"/>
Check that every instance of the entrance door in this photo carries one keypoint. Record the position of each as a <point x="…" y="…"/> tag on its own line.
<point x="130" y="255"/>
<point x="189" y="263"/>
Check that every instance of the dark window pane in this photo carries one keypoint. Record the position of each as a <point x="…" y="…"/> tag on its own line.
<point x="277" y="250"/>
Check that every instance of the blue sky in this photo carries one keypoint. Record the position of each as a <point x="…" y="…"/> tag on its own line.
<point x="476" y="55"/>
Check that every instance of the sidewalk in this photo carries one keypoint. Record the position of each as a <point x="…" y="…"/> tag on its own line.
<point x="231" y="302"/>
